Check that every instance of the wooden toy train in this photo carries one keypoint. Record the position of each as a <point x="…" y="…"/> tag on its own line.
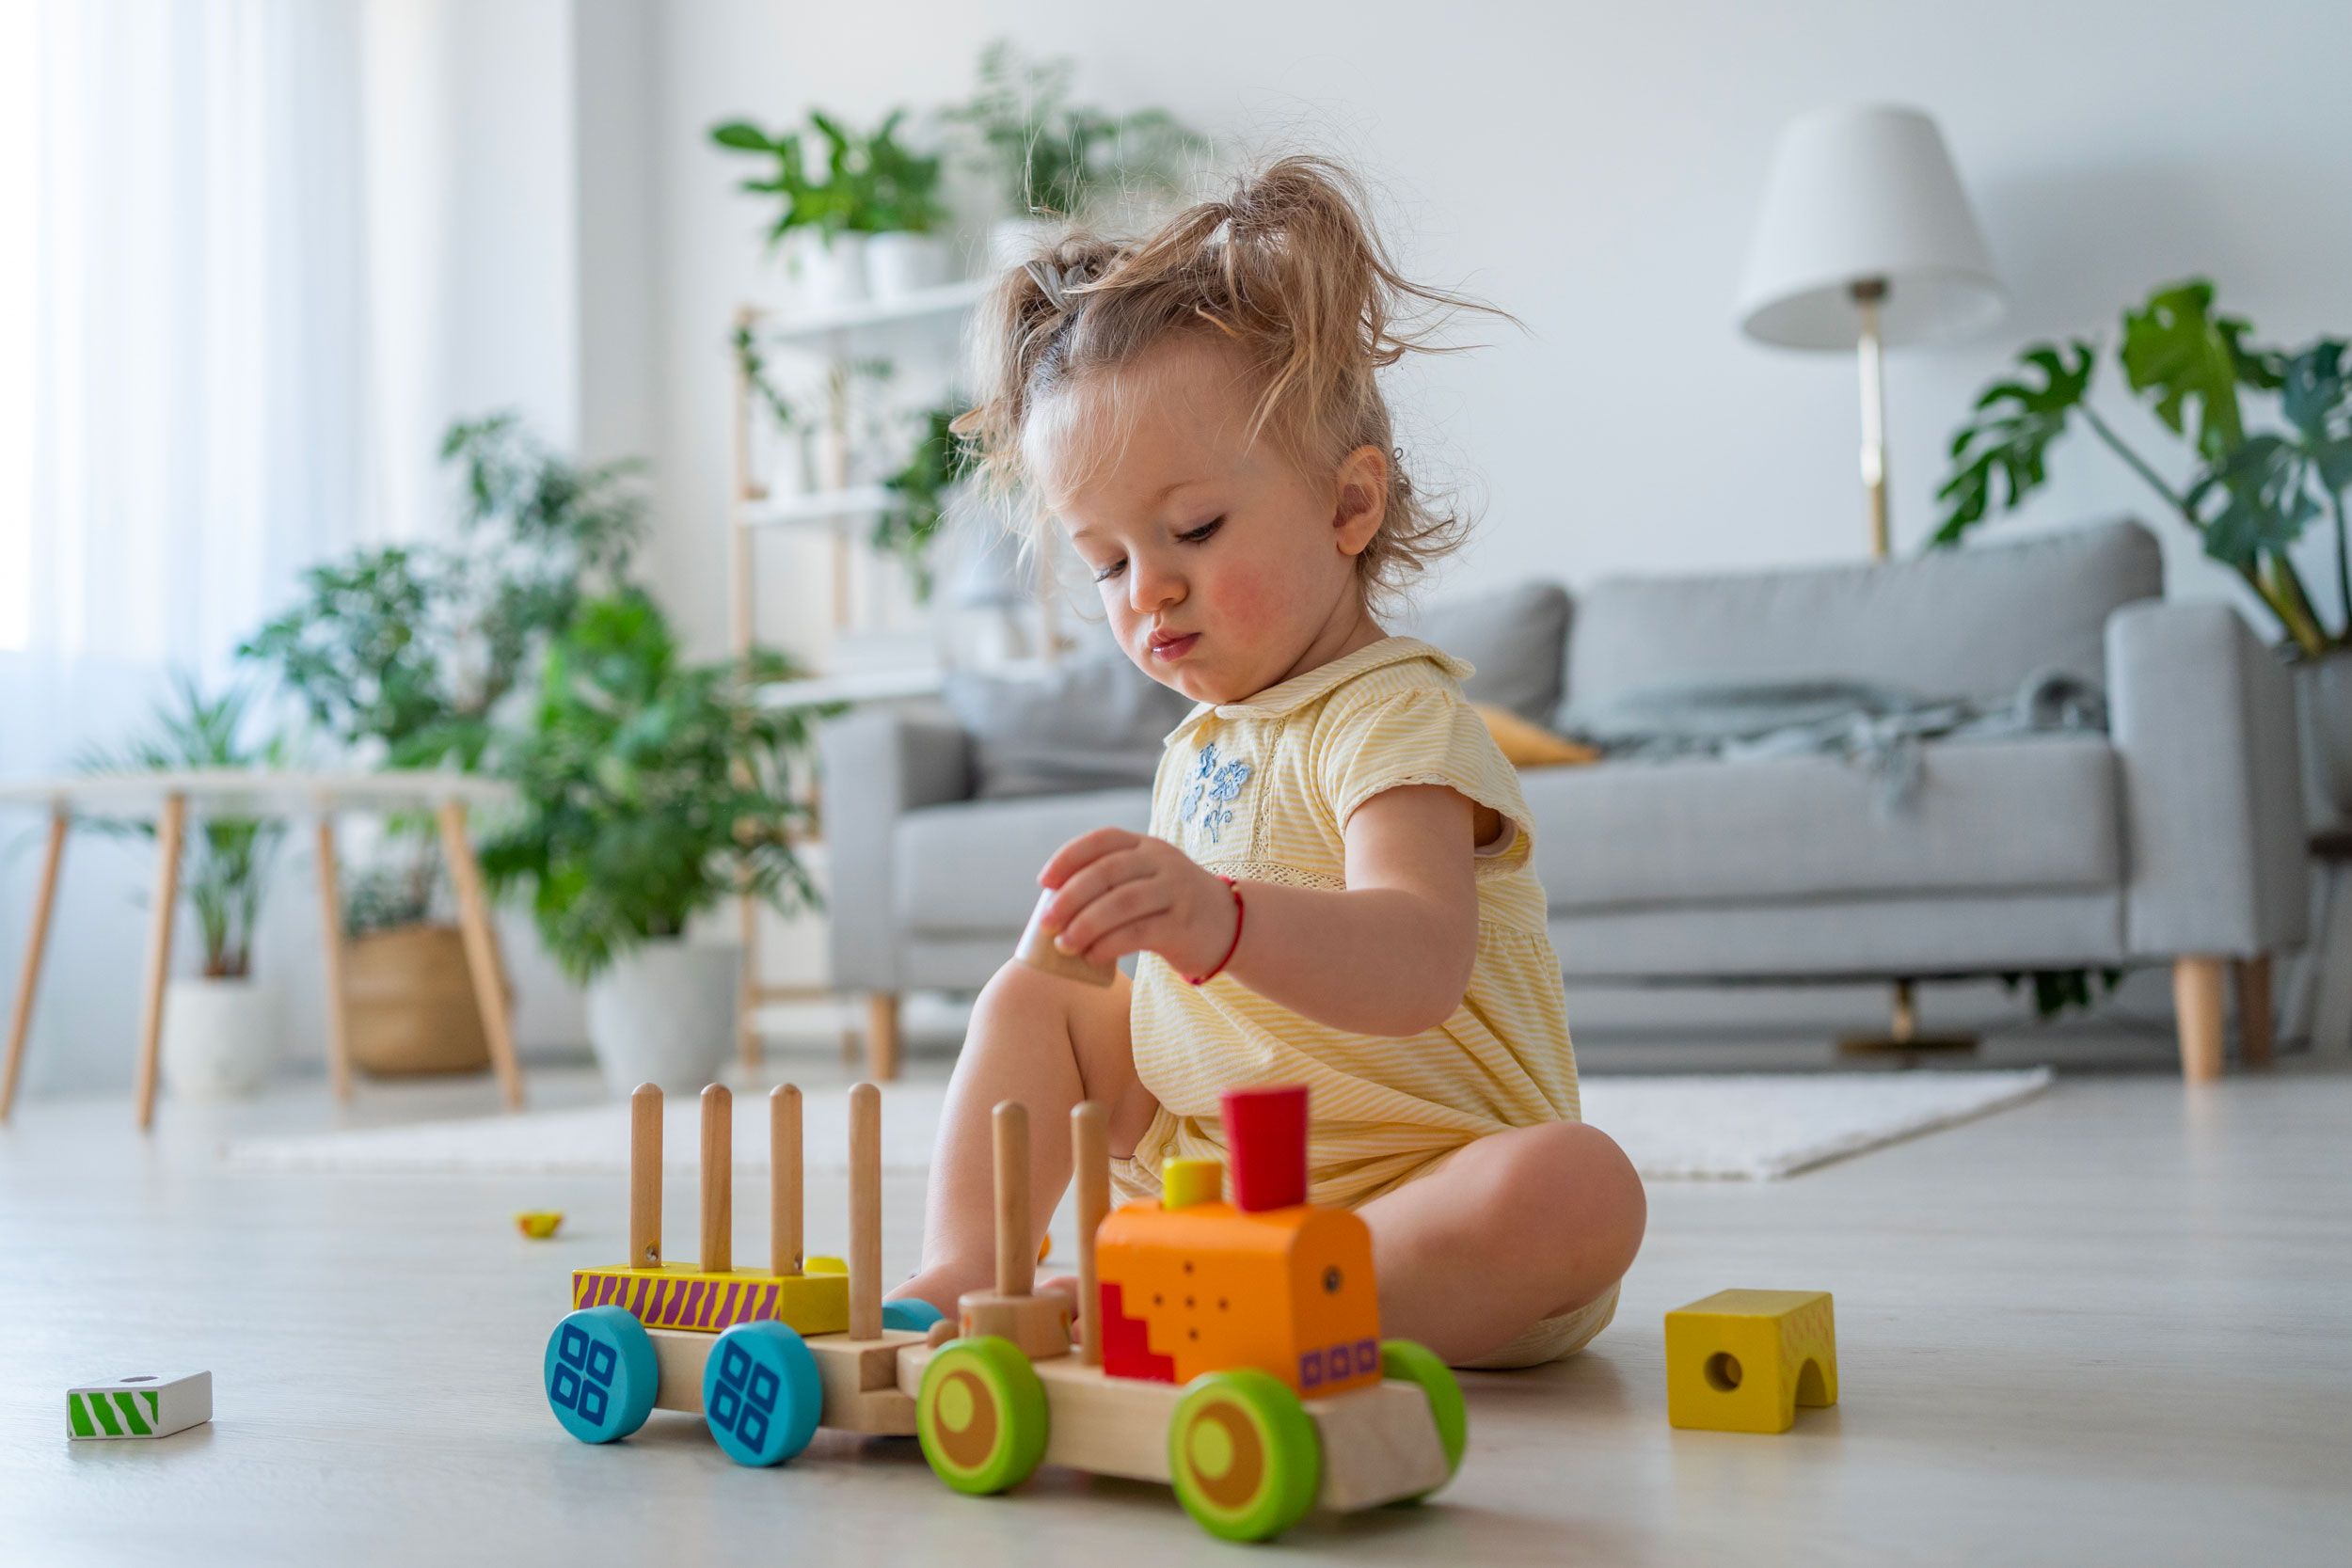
<point x="1238" y="1358"/>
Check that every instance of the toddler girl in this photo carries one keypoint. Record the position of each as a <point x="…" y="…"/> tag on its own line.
<point x="1337" y="887"/>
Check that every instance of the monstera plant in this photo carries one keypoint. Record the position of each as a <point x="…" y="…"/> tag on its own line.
<point x="2256" y="489"/>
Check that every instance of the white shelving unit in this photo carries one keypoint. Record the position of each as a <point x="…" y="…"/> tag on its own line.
<point x="835" y="516"/>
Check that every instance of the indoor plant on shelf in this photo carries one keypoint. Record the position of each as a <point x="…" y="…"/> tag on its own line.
<point x="1050" y="160"/>
<point x="867" y="225"/>
<point x="404" y="657"/>
<point x="2252" y="496"/>
<point x="653" y="790"/>
<point x="223" y="1023"/>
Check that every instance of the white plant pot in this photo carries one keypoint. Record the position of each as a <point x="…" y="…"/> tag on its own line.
<point x="827" y="274"/>
<point x="664" y="1013"/>
<point x="221" y="1038"/>
<point x="902" y="264"/>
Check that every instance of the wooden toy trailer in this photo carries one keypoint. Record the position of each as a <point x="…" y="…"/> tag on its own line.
<point x="1246" y="1455"/>
<point x="764" y="1357"/>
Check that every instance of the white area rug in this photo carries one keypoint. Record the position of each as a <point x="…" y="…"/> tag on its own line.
<point x="1745" y="1127"/>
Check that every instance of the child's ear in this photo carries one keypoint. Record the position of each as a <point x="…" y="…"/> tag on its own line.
<point x="1362" y="502"/>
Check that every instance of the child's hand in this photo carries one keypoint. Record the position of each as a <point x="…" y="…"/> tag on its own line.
<point x="1122" y="893"/>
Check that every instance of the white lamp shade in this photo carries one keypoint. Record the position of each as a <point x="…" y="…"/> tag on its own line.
<point x="1865" y="191"/>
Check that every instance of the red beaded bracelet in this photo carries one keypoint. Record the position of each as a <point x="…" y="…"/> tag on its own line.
<point x="1235" y="947"/>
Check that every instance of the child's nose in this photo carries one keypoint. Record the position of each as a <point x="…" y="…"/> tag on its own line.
<point x="1152" y="587"/>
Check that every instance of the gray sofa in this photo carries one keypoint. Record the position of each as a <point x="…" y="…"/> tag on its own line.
<point x="2174" y="837"/>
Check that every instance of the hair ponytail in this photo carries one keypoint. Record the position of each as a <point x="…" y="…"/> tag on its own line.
<point x="1287" y="271"/>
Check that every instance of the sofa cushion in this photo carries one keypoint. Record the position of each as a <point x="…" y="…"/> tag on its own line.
<point x="1092" y="724"/>
<point x="1965" y="622"/>
<point x="973" y="865"/>
<point x="2009" y="816"/>
<point x="1516" y="638"/>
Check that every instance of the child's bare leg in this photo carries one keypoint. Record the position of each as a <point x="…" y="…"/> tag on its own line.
<point x="1518" y="1225"/>
<point x="1047" y="1042"/>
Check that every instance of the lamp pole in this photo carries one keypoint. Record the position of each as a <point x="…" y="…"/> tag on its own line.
<point x="1868" y="294"/>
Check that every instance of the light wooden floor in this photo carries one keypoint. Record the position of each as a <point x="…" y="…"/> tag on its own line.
<point x="2110" y="1326"/>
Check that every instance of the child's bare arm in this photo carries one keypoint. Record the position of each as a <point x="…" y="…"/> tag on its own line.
<point x="1389" y="954"/>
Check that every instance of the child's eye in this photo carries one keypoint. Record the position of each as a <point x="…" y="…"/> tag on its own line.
<point x="1104" y="574"/>
<point x="1200" y="535"/>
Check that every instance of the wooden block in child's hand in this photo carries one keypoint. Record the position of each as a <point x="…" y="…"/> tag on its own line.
<point x="1037" y="949"/>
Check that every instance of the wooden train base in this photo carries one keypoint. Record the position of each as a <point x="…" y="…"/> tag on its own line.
<point x="763" y="1358"/>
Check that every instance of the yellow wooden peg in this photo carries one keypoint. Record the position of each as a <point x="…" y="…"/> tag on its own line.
<point x="1743" y="1360"/>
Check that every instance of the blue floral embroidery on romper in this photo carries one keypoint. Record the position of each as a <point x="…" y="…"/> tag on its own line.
<point x="1214" y="783"/>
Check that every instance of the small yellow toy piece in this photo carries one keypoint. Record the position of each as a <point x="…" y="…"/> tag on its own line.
<point x="538" y="1223"/>
<point x="1743" y="1360"/>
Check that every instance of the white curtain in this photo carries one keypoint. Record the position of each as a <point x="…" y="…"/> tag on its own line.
<point x="196" y="366"/>
<point x="253" y="288"/>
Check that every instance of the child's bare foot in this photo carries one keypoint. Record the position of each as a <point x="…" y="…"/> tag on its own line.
<point x="1067" y="1284"/>
<point x="943" y="1286"/>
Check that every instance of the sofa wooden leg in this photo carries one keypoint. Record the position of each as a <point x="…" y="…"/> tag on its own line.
<point x="2254" y="1030"/>
<point x="882" y="1036"/>
<point x="2196" y="1007"/>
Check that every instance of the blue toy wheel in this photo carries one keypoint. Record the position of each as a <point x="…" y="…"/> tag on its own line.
<point x="914" y="1314"/>
<point x="760" y="1393"/>
<point x="600" y="1374"/>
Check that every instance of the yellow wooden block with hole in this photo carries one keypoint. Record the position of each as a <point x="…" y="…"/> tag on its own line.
<point x="1743" y="1360"/>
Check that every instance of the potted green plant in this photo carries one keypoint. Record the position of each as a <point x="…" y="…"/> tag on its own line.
<point x="838" y="193"/>
<point x="1051" y="160"/>
<point x="223" y="1023"/>
<point x="653" y="790"/>
<point x="405" y="656"/>
<point x="925" y="485"/>
<point x="2252" y="496"/>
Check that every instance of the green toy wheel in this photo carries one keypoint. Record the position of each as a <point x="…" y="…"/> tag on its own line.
<point x="1402" y="1361"/>
<point x="1244" y="1454"/>
<point x="981" y="1415"/>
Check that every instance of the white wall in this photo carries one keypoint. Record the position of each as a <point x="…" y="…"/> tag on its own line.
<point x="1595" y="168"/>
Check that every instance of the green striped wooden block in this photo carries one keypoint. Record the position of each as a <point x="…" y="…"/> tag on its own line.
<point x="140" y="1407"/>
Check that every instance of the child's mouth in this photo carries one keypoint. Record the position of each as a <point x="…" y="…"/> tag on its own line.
<point x="1175" y="647"/>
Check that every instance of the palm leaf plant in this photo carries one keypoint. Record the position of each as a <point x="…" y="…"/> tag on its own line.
<point x="2251" y="495"/>
<point x="1048" y="156"/>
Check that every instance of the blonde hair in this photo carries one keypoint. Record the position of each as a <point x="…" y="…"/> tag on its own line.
<point x="1287" y="271"/>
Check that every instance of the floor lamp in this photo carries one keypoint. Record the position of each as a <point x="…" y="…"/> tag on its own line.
<point x="1866" y="242"/>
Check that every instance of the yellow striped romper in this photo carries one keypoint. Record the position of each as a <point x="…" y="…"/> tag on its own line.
<point x="1261" y="791"/>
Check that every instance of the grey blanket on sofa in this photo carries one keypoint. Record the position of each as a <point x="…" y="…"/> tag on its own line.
<point x="1878" y="728"/>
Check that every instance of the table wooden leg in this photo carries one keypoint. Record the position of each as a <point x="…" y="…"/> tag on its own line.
<point x="169" y="829"/>
<point x="36" y="944"/>
<point x="482" y="957"/>
<point x="2252" y="980"/>
<point x="331" y="949"/>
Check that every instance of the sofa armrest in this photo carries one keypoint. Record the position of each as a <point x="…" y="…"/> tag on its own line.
<point x="877" y="767"/>
<point x="2204" y="720"/>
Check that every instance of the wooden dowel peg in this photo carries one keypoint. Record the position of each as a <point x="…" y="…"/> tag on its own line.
<point x="784" y="1183"/>
<point x="644" y="1177"/>
<point x="864" y="1212"/>
<point x="718" y="1180"/>
<point x="1090" y="1164"/>
<point x="1016" y="1263"/>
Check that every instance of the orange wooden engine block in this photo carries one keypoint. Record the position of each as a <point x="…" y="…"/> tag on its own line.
<point x="1192" y="1284"/>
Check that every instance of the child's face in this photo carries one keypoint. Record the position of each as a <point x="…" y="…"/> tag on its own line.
<point x="1224" y="569"/>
